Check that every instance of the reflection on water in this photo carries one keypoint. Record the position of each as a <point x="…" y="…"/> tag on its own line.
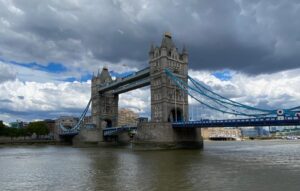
<point x="257" y="165"/>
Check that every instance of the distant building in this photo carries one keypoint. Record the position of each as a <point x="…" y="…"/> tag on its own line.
<point x="50" y="126"/>
<point x="262" y="131"/>
<point x="18" y="124"/>
<point x="250" y="132"/>
<point x="142" y="119"/>
<point x="88" y="122"/>
<point x="66" y="121"/>
<point x="126" y="117"/>
<point x="208" y="133"/>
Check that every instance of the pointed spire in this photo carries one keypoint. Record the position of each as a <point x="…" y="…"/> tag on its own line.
<point x="105" y="76"/>
<point x="152" y="48"/>
<point x="167" y="41"/>
<point x="184" y="50"/>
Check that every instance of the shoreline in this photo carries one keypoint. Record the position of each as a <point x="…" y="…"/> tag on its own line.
<point x="32" y="142"/>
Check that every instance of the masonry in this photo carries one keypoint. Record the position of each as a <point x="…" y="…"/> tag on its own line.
<point x="168" y="102"/>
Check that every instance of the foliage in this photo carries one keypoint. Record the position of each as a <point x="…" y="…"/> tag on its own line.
<point x="39" y="128"/>
<point x="1" y="125"/>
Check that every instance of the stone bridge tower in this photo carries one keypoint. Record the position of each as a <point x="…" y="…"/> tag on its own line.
<point x="104" y="105"/>
<point x="168" y="102"/>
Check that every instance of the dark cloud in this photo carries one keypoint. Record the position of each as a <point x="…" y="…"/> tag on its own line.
<point x="6" y="73"/>
<point x="21" y="97"/>
<point x="249" y="36"/>
<point x="5" y="101"/>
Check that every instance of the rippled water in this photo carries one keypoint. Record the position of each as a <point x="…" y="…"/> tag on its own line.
<point x="257" y="165"/>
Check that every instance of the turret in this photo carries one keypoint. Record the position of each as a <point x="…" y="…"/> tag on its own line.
<point x="166" y="44"/>
<point x="184" y="54"/>
<point x="151" y="52"/>
<point x="168" y="103"/>
<point x="167" y="41"/>
<point x="105" y="76"/>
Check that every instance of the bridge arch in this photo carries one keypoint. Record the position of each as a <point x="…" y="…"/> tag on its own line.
<point x="175" y="114"/>
<point x="107" y="123"/>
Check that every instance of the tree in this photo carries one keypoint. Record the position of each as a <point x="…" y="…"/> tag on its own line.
<point x="12" y="132"/>
<point x="1" y="124"/>
<point x="23" y="132"/>
<point x="38" y="127"/>
<point x="2" y="129"/>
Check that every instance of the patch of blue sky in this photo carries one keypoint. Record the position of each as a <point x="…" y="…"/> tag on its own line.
<point x="223" y="75"/>
<point x="70" y="79"/>
<point x="121" y="75"/>
<point x="51" y="67"/>
<point x="83" y="78"/>
<point x="86" y="77"/>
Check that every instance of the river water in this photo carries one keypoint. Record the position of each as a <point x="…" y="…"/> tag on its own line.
<point x="253" y="165"/>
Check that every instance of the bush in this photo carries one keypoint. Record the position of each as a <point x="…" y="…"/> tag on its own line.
<point x="38" y="127"/>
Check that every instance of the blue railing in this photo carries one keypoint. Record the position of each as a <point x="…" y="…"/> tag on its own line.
<point x="116" y="130"/>
<point x="266" y="121"/>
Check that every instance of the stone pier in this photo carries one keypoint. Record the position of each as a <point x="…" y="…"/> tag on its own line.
<point x="155" y="136"/>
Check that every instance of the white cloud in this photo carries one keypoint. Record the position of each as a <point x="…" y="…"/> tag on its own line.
<point x="45" y="96"/>
<point x="277" y="90"/>
<point x="31" y="100"/>
<point x="137" y="100"/>
<point x="86" y="35"/>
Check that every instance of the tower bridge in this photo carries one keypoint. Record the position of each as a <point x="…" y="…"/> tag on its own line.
<point x="167" y="76"/>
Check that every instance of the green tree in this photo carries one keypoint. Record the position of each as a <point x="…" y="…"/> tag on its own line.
<point x="23" y="132"/>
<point x="2" y="126"/>
<point x="12" y="132"/>
<point x="38" y="127"/>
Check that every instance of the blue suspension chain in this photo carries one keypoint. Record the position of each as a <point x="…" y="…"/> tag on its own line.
<point x="176" y="80"/>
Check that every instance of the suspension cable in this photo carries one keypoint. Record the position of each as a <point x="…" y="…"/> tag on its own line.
<point x="185" y="86"/>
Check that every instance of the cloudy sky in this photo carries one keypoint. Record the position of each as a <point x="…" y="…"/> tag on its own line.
<point x="246" y="50"/>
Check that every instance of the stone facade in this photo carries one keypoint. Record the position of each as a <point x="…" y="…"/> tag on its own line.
<point x="168" y="102"/>
<point x="208" y="133"/>
<point x="127" y="117"/>
<point x="104" y="105"/>
<point x="87" y="137"/>
<point x="158" y="135"/>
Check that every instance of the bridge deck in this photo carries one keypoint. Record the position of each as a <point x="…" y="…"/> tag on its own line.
<point x="269" y="121"/>
<point x="133" y="86"/>
<point x="137" y="76"/>
<point x="115" y="130"/>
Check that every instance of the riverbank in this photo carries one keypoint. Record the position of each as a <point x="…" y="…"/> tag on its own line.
<point x="29" y="141"/>
<point x="33" y="142"/>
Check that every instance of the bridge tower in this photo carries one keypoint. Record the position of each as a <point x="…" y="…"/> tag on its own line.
<point x="168" y="102"/>
<point x="104" y="105"/>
